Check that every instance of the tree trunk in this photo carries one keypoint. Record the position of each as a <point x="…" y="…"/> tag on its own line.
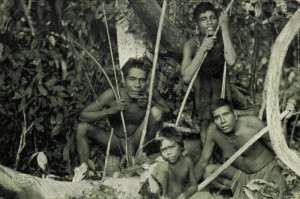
<point x="149" y="12"/>
<point x="14" y="184"/>
<point x="279" y="50"/>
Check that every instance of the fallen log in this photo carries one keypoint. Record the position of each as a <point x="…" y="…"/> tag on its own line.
<point x="14" y="184"/>
<point x="24" y="186"/>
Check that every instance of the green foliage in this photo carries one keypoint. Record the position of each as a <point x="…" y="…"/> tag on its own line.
<point x="98" y="192"/>
<point x="41" y="74"/>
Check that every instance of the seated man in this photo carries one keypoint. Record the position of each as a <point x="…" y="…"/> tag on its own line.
<point x="230" y="133"/>
<point x="133" y="103"/>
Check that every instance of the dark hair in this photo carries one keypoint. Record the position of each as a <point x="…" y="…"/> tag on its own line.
<point x="135" y="63"/>
<point x="202" y="7"/>
<point x="172" y="134"/>
<point x="219" y="103"/>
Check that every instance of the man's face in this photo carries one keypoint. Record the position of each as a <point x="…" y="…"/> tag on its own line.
<point x="207" y="23"/>
<point x="170" y="150"/>
<point x="224" y="119"/>
<point x="135" y="82"/>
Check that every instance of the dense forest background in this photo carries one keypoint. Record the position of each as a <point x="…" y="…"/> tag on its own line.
<point x="43" y="86"/>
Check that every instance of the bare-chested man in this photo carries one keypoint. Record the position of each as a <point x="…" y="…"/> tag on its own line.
<point x="176" y="171"/>
<point x="219" y="49"/>
<point x="230" y="133"/>
<point x="133" y="103"/>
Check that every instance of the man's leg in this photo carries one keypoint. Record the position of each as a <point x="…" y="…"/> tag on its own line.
<point x="86" y="131"/>
<point x="205" y="100"/>
<point x="203" y="130"/>
<point x="277" y="178"/>
<point x="224" y="180"/>
<point x="161" y="173"/>
<point x="154" y="124"/>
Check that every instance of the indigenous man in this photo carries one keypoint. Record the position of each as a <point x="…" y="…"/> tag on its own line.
<point x="175" y="172"/>
<point x="230" y="133"/>
<point x="133" y="103"/>
<point x="218" y="48"/>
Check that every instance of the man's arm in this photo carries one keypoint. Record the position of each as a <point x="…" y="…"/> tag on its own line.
<point x="190" y="65"/>
<point x="257" y="125"/>
<point x="161" y="173"/>
<point x="98" y="109"/>
<point x="192" y="181"/>
<point x="290" y="106"/>
<point x="160" y="102"/>
<point x="229" y="51"/>
<point x="206" y="152"/>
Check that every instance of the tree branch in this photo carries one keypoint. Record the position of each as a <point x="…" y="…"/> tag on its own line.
<point x="156" y="51"/>
<point x="279" y="50"/>
<point x="26" y="11"/>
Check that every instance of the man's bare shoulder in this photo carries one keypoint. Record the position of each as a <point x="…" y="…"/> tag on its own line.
<point x="212" y="130"/>
<point x="107" y="95"/>
<point x="251" y="121"/>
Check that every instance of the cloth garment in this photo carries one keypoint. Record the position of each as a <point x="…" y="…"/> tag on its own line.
<point x="269" y="173"/>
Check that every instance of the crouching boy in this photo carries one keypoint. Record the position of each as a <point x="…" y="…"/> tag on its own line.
<point x="175" y="171"/>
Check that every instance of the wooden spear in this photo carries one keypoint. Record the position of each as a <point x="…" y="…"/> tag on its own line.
<point x="196" y="74"/>
<point x="156" y="51"/>
<point x="237" y="154"/>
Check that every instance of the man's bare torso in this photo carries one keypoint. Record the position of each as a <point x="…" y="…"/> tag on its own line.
<point x="133" y="115"/>
<point x="255" y="157"/>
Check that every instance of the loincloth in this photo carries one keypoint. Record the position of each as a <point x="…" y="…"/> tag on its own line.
<point x="121" y="144"/>
<point x="210" y="89"/>
<point x="241" y="179"/>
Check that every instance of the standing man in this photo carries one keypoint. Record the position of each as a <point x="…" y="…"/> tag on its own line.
<point x="133" y="103"/>
<point x="230" y="133"/>
<point x="219" y="49"/>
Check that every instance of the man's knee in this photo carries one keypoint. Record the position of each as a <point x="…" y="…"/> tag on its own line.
<point x="82" y="129"/>
<point x="156" y="114"/>
<point x="209" y="170"/>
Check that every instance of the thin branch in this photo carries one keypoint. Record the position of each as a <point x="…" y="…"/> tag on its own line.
<point x="29" y="5"/>
<point x="158" y="38"/>
<point x="98" y="64"/>
<point x="22" y="142"/>
<point x="223" y="92"/>
<point x="86" y="75"/>
<point x="26" y="11"/>
<point x="294" y="128"/>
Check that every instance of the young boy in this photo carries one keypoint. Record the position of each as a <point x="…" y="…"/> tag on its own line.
<point x="219" y="49"/>
<point x="133" y="103"/>
<point x="175" y="172"/>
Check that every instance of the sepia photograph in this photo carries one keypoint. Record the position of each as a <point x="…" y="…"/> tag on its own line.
<point x="149" y="99"/>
